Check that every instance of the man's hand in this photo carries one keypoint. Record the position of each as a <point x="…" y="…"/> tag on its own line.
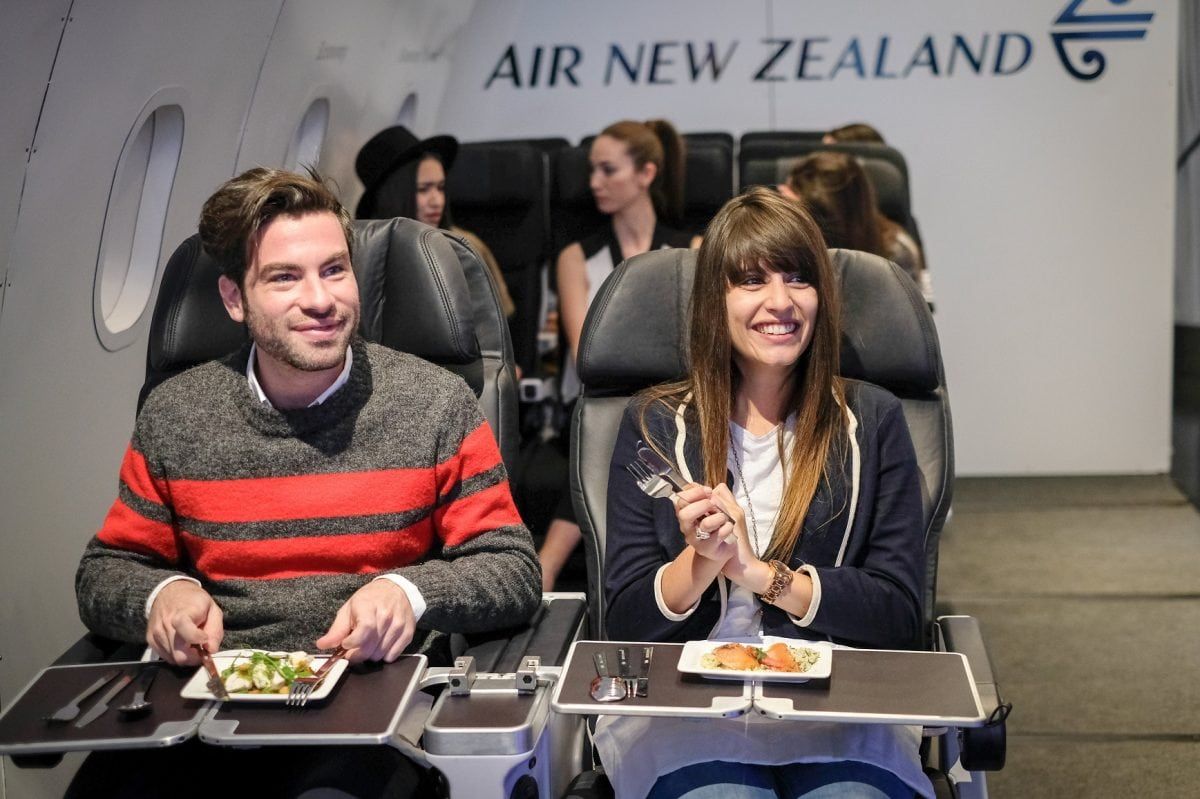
<point x="183" y="614"/>
<point x="376" y="623"/>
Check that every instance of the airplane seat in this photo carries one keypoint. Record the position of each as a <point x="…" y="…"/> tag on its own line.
<point x="428" y="311"/>
<point x="500" y="192"/>
<point x="573" y="213"/>
<point x="764" y="159"/>
<point x="426" y="292"/>
<point x="708" y="178"/>
<point x="891" y="193"/>
<point x="545" y="144"/>
<point x="888" y="338"/>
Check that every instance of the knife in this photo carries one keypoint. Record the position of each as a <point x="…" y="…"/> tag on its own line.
<point x="215" y="684"/>
<point x="97" y="710"/>
<point x="643" y="682"/>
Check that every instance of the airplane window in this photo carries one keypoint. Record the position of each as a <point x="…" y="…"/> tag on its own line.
<point x="407" y="115"/>
<point x="131" y="243"/>
<point x="305" y="147"/>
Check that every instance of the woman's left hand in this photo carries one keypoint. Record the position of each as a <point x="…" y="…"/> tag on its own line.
<point x="744" y="568"/>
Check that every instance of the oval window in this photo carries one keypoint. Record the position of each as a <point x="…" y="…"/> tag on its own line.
<point x="131" y="242"/>
<point x="305" y="147"/>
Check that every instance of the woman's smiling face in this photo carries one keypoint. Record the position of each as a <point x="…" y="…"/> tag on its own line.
<point x="771" y="316"/>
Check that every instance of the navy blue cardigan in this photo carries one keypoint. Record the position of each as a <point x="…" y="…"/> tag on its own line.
<point x="871" y="599"/>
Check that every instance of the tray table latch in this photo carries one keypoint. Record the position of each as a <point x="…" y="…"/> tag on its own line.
<point x="527" y="674"/>
<point x="462" y="676"/>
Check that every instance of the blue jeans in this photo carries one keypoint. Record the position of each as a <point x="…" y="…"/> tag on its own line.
<point x="723" y="780"/>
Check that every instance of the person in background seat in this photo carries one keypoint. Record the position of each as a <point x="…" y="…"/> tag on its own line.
<point x="859" y="132"/>
<point x="803" y="520"/>
<point x="406" y="176"/>
<point x="637" y="182"/>
<point x="839" y="195"/>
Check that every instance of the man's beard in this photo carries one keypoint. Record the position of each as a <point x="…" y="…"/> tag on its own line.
<point x="275" y="338"/>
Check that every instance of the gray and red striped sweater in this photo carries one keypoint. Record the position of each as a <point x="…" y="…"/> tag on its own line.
<point x="282" y="515"/>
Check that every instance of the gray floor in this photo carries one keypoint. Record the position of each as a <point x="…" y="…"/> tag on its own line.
<point x="1088" y="590"/>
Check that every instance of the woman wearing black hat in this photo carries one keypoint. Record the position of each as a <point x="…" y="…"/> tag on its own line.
<point x="406" y="176"/>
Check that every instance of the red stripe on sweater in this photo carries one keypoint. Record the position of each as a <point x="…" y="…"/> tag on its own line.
<point x="135" y="473"/>
<point x="471" y="515"/>
<point x="125" y="528"/>
<point x="307" y="496"/>
<point x="477" y="454"/>
<point x="275" y="559"/>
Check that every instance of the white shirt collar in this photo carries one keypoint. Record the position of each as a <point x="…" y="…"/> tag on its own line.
<point x="256" y="387"/>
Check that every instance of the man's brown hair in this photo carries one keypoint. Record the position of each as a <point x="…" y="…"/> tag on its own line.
<point x="242" y="206"/>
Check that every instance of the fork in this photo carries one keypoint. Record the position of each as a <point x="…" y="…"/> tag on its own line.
<point x="660" y="486"/>
<point x="302" y="687"/>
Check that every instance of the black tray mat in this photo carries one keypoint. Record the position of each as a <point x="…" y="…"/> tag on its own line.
<point x="928" y="685"/>
<point x="364" y="705"/>
<point x="669" y="689"/>
<point x="23" y="730"/>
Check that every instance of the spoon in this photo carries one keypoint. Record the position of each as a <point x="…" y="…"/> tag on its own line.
<point x="605" y="687"/>
<point x="140" y="704"/>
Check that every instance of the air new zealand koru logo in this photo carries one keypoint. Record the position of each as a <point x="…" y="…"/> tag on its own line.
<point x="1095" y="26"/>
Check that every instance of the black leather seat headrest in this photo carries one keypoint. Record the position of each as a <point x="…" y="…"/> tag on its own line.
<point x="403" y="266"/>
<point x="415" y="296"/>
<point x="891" y="190"/>
<point x="709" y="183"/>
<point x="636" y="330"/>
<point x="190" y="324"/>
<point x="495" y="175"/>
<point x="571" y="187"/>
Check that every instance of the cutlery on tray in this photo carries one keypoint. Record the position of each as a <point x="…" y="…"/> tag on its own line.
<point x="302" y="687"/>
<point x="643" y="680"/>
<point x="97" y="710"/>
<point x="215" y="684"/>
<point x="624" y="673"/>
<point x="605" y="687"/>
<point x="70" y="710"/>
<point x="141" y="686"/>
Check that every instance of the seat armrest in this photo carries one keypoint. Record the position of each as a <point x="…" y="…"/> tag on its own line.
<point x="548" y="635"/>
<point x="981" y="748"/>
<point x="92" y="648"/>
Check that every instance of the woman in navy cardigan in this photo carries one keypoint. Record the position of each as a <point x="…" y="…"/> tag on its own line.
<point x="803" y="518"/>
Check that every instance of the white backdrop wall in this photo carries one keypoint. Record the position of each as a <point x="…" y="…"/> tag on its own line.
<point x="1045" y="199"/>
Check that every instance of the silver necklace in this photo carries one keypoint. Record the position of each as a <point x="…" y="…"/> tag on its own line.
<point x="737" y="464"/>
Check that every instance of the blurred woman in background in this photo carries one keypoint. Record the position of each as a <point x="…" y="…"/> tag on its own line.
<point x="406" y="176"/>
<point x="637" y="182"/>
<point x="838" y="193"/>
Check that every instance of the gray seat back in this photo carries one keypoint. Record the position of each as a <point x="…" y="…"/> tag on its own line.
<point x="636" y="334"/>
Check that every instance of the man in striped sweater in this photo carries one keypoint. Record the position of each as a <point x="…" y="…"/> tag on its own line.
<point x="312" y="490"/>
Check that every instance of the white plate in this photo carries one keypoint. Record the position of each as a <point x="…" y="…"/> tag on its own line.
<point x="197" y="688"/>
<point x="689" y="660"/>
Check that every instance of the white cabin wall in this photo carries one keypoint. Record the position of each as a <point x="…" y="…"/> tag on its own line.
<point x="1045" y="202"/>
<point x="244" y="74"/>
<point x="28" y="42"/>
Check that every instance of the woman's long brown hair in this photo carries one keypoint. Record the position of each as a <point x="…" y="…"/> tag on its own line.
<point x="761" y="229"/>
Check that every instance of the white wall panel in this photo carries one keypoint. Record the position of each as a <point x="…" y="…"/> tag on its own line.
<point x="365" y="63"/>
<point x="1046" y="202"/>
<point x="66" y="404"/>
<point x="28" y="40"/>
